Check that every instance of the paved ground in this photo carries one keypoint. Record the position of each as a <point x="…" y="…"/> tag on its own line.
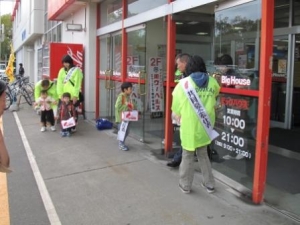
<point x="91" y="182"/>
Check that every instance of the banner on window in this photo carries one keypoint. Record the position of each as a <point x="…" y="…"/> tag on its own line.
<point x="156" y="92"/>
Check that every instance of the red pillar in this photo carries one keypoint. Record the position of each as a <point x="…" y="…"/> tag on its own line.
<point x="124" y="43"/>
<point x="97" y="65"/>
<point x="264" y="101"/>
<point x="171" y="45"/>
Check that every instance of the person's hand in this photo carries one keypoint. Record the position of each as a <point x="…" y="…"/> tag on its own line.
<point x="75" y="99"/>
<point x="130" y="105"/>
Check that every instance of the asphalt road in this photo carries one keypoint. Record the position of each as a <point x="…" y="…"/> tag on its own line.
<point x="26" y="205"/>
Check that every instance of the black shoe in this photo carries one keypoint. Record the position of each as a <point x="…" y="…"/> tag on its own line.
<point x="173" y="164"/>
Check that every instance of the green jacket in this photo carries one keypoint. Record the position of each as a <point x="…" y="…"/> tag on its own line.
<point x="192" y="132"/>
<point x="51" y="91"/>
<point x="76" y="79"/>
<point x="121" y="106"/>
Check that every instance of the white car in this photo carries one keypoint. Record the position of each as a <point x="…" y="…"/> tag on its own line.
<point x="2" y="71"/>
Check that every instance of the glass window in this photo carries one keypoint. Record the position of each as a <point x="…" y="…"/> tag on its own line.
<point x="59" y="33"/>
<point x="105" y="49"/>
<point x="236" y="64"/>
<point x="279" y="78"/>
<point x="138" y="6"/>
<point x="296" y="12"/>
<point x="117" y="54"/>
<point x="281" y="13"/>
<point x="136" y="52"/>
<point x="111" y="11"/>
<point x="111" y="48"/>
<point x="237" y="46"/>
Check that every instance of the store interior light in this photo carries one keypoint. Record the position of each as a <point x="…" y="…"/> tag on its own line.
<point x="202" y="33"/>
<point x="238" y="28"/>
<point x="74" y="27"/>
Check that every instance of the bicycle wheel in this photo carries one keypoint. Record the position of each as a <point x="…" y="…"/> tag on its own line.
<point x="27" y="96"/>
<point x="30" y="90"/>
<point x="8" y="100"/>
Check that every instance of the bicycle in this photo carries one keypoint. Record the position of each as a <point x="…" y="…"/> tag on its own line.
<point x="20" y="87"/>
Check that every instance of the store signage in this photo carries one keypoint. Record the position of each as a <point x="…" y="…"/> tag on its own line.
<point x="233" y="80"/>
<point x="76" y="56"/>
<point x="156" y="84"/>
<point x="234" y="125"/>
<point x="133" y="66"/>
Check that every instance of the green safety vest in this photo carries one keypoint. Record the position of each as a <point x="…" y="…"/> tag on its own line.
<point x="192" y="132"/>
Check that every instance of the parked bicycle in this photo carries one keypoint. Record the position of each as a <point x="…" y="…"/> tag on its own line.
<point x="19" y="88"/>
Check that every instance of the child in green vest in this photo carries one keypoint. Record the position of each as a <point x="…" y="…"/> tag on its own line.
<point x="123" y="103"/>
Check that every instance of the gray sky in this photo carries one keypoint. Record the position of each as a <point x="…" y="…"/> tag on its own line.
<point x="6" y="7"/>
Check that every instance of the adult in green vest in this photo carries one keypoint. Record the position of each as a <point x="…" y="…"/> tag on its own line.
<point x="181" y="61"/>
<point x="193" y="134"/>
<point x="46" y="85"/>
<point x="69" y="79"/>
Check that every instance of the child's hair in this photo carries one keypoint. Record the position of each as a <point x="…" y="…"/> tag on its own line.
<point x="66" y="95"/>
<point x="44" y="92"/>
<point x="126" y="85"/>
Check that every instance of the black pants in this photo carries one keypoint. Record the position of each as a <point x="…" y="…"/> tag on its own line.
<point x="47" y="116"/>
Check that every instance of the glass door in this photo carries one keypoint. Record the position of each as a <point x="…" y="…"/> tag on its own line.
<point x="137" y="75"/>
<point x="295" y="115"/>
<point x="281" y="73"/>
<point x="110" y="73"/>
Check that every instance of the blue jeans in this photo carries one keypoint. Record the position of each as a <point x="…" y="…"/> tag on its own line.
<point x="126" y="134"/>
<point x="178" y="156"/>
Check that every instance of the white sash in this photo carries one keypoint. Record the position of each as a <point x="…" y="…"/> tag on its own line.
<point x="69" y="74"/>
<point x="197" y="105"/>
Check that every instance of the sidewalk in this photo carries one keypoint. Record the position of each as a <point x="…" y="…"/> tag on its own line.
<point x="92" y="182"/>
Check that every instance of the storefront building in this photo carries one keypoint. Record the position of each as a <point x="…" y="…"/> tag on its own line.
<point x="258" y="108"/>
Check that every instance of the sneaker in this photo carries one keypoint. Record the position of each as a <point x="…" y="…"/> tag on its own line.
<point x="73" y="130"/>
<point x="53" y="128"/>
<point x="173" y="164"/>
<point x="43" y="129"/>
<point x="68" y="134"/>
<point x="208" y="189"/>
<point x="183" y="190"/>
<point x="63" y="134"/>
<point x="123" y="147"/>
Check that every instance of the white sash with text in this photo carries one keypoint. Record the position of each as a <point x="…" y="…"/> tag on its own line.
<point x="197" y="105"/>
<point x="69" y="74"/>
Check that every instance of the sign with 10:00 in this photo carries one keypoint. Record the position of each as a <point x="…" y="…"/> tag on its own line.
<point x="232" y="128"/>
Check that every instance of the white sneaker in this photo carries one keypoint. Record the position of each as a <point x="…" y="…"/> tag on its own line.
<point x="53" y="128"/>
<point x="43" y="129"/>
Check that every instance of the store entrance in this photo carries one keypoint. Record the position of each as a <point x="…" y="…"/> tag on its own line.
<point x="285" y="99"/>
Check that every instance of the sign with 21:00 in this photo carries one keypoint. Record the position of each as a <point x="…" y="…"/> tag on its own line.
<point x="232" y="125"/>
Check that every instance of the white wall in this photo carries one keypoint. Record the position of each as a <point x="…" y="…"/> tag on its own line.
<point x="29" y="22"/>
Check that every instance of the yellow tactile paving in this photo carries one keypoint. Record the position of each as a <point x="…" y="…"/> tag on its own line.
<point x="4" y="208"/>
